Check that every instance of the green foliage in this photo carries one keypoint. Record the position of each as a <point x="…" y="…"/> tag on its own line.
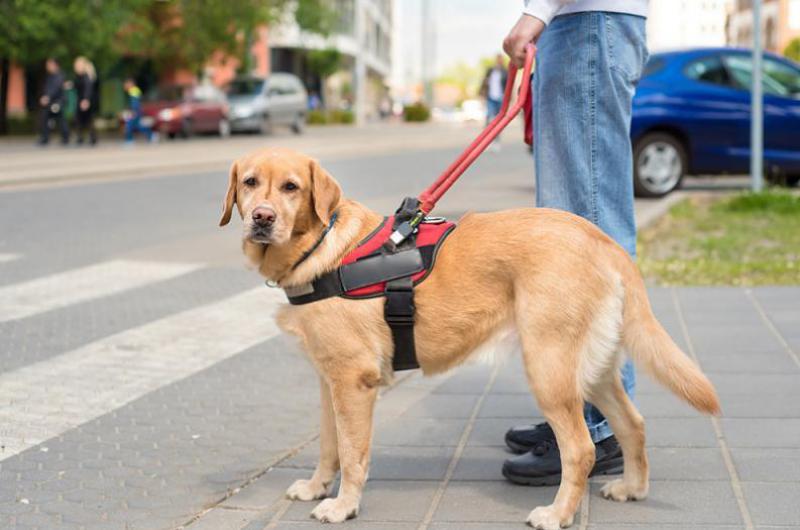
<point x="321" y="117"/>
<point x="416" y="112"/>
<point x="744" y="239"/>
<point x="792" y="50"/>
<point x="324" y="62"/>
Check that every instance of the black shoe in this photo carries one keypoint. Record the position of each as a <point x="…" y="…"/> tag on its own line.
<point x="523" y="438"/>
<point x="541" y="466"/>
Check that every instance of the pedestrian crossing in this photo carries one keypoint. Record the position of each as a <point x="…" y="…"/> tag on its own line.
<point x="79" y="285"/>
<point x="47" y="398"/>
<point x="7" y="257"/>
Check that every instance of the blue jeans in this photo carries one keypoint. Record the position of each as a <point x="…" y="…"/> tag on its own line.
<point x="134" y="125"/>
<point x="492" y="108"/>
<point x="587" y="67"/>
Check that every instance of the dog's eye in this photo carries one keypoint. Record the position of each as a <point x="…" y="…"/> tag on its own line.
<point x="250" y="181"/>
<point x="289" y="186"/>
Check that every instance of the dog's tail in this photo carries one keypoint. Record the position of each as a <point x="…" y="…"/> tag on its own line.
<point x="649" y="344"/>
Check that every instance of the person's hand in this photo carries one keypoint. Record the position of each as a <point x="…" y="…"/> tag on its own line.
<point x="84" y="104"/>
<point x="525" y="31"/>
<point x="44" y="100"/>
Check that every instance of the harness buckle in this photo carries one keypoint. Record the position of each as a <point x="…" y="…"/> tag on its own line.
<point x="399" y="308"/>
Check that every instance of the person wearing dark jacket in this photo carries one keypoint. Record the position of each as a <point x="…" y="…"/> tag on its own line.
<point x="492" y="88"/>
<point x="85" y="81"/>
<point x="52" y="103"/>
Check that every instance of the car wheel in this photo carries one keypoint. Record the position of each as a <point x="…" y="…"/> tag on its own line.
<point x="659" y="164"/>
<point x="187" y="129"/>
<point x="224" y="128"/>
<point x="266" y="125"/>
<point x="299" y="124"/>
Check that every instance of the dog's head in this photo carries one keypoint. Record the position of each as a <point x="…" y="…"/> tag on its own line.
<point x="280" y="195"/>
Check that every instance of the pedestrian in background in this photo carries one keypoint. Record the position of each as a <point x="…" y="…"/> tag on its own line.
<point x="85" y="86"/>
<point x="492" y="88"/>
<point x="590" y="55"/>
<point x="52" y="103"/>
<point x="133" y="114"/>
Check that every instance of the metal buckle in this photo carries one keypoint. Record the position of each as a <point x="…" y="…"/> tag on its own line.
<point x="399" y="308"/>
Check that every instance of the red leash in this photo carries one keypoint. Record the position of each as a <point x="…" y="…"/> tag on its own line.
<point x="434" y="192"/>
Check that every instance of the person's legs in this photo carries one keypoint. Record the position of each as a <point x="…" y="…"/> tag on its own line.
<point x="44" y="127"/>
<point x="582" y="112"/>
<point x="63" y="127"/>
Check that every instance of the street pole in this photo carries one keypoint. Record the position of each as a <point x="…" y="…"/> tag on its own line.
<point x="756" y="105"/>
<point x="360" y="67"/>
<point x="427" y="52"/>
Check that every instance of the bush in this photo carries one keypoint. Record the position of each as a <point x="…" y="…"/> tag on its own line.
<point x="316" y="117"/>
<point x="23" y="124"/>
<point x="417" y="112"/>
<point x="321" y="117"/>
<point x="341" y="116"/>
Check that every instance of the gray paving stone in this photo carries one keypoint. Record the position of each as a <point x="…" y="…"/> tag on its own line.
<point x="663" y="405"/>
<point x="756" y="384"/>
<point x="476" y="526"/>
<point x="356" y="524"/>
<point x="466" y="380"/>
<point x="762" y="406"/>
<point x="266" y="490"/>
<point x="682" y="463"/>
<point x="224" y="519"/>
<point x="509" y="406"/>
<point x="751" y="362"/>
<point x="491" y="431"/>
<point x="495" y="502"/>
<point x="680" y="432"/>
<point x="767" y="465"/>
<point x="410" y="463"/>
<point x="420" y="432"/>
<point x="773" y="504"/>
<point x="481" y="463"/>
<point x="382" y="500"/>
<point x="443" y="406"/>
<point x="692" y="503"/>
<point x="760" y="433"/>
<point x="665" y="526"/>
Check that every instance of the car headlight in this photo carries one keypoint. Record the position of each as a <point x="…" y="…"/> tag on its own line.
<point x="168" y="114"/>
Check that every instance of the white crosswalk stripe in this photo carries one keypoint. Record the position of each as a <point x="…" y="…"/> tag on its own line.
<point x="45" y="399"/>
<point x="79" y="285"/>
<point x="6" y="257"/>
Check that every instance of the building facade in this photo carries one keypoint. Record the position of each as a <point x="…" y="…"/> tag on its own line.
<point x="676" y="24"/>
<point x="363" y="36"/>
<point x="780" y="24"/>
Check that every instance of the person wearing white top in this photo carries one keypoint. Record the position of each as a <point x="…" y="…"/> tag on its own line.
<point x="590" y="55"/>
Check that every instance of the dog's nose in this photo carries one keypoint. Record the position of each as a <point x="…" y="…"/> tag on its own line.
<point x="263" y="216"/>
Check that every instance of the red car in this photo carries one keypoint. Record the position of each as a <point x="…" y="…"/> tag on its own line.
<point x="178" y="110"/>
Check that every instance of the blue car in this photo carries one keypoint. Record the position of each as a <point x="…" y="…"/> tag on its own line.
<point x="691" y="115"/>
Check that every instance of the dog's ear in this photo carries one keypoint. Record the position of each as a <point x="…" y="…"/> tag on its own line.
<point x="230" y="197"/>
<point x="325" y="192"/>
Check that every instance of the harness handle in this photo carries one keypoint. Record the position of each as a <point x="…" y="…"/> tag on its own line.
<point x="434" y="192"/>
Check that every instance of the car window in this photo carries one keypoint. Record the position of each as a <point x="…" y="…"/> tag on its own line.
<point x="277" y="85"/>
<point x="709" y="70"/>
<point x="245" y="87"/>
<point x="741" y="69"/>
<point x="784" y="74"/>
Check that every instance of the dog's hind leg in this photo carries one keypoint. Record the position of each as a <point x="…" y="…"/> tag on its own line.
<point x="550" y="368"/>
<point x="353" y="394"/>
<point x="609" y="396"/>
<point x="327" y="467"/>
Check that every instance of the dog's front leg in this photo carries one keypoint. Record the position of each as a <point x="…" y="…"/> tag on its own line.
<point x="353" y="394"/>
<point x="328" y="466"/>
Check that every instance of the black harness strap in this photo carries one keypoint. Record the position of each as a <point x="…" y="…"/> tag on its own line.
<point x="399" y="314"/>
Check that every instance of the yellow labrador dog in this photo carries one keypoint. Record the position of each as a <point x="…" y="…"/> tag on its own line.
<point x="574" y="297"/>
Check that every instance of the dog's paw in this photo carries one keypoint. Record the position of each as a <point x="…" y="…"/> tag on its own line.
<point x="546" y="518"/>
<point x="335" y="510"/>
<point x="620" y="491"/>
<point x="306" y="490"/>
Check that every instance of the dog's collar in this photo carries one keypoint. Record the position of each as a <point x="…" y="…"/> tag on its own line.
<point x="319" y="241"/>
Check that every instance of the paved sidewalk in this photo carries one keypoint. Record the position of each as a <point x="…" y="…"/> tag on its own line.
<point x="438" y="444"/>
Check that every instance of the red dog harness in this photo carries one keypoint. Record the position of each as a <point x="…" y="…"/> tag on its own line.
<point x="377" y="267"/>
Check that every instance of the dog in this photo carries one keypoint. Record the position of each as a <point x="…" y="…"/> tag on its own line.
<point x="574" y="297"/>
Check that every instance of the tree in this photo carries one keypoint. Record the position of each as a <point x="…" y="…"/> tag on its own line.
<point x="170" y="33"/>
<point x="792" y="50"/>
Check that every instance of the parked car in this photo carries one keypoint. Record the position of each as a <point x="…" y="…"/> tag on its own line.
<point x="258" y="104"/>
<point x="691" y="115"/>
<point x="182" y="110"/>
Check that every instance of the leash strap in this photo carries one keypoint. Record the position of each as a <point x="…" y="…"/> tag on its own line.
<point x="434" y="192"/>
